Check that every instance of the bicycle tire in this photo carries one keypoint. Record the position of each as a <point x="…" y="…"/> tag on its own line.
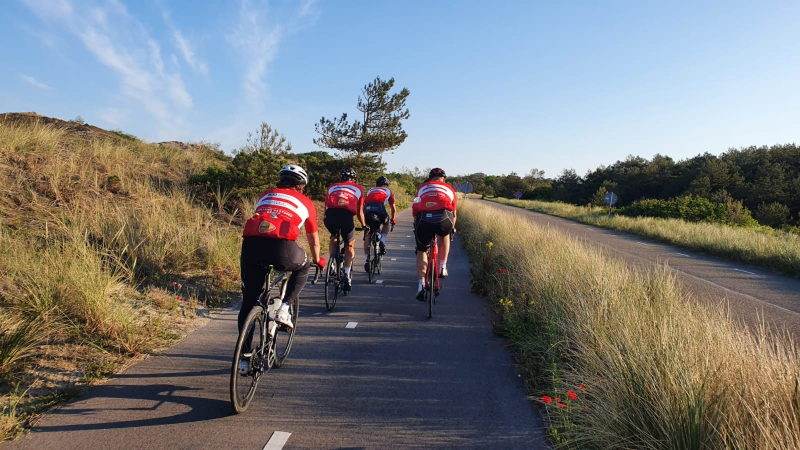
<point x="253" y="331"/>
<point x="280" y="348"/>
<point x="332" y="283"/>
<point x="373" y="262"/>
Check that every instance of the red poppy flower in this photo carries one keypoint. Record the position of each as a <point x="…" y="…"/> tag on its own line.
<point x="502" y="271"/>
<point x="179" y="297"/>
<point x="585" y="406"/>
<point x="180" y="286"/>
<point x="581" y="387"/>
<point x="572" y="395"/>
<point x="174" y="283"/>
<point x="558" y="400"/>
<point x="560" y="406"/>
<point x="547" y="399"/>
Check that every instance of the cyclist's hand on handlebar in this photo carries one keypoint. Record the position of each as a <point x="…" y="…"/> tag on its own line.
<point x="321" y="262"/>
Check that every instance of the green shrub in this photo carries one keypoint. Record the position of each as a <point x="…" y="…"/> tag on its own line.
<point x="774" y="215"/>
<point x="691" y="208"/>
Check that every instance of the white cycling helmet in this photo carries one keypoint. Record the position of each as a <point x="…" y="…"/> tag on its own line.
<point x="295" y="174"/>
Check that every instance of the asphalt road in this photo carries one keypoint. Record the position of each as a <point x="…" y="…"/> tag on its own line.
<point x="394" y="379"/>
<point x="749" y="292"/>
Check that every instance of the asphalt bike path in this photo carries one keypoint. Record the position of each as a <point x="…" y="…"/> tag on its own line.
<point x="752" y="294"/>
<point x="373" y="373"/>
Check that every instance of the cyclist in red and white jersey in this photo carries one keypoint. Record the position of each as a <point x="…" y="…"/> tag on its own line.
<point x="434" y="212"/>
<point x="270" y="240"/>
<point x="376" y="216"/>
<point x="344" y="201"/>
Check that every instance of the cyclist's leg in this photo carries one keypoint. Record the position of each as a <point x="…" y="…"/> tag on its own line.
<point x="445" y="228"/>
<point x="253" y="272"/>
<point x="293" y="259"/>
<point x="423" y="234"/>
<point x="330" y="224"/>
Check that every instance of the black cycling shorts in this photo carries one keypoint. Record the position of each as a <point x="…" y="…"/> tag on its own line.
<point x="258" y="253"/>
<point x="432" y="223"/>
<point x="375" y="215"/>
<point x="340" y="220"/>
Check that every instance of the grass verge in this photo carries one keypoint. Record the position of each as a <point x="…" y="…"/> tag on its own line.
<point x="626" y="359"/>
<point x="763" y="247"/>
<point x="103" y="255"/>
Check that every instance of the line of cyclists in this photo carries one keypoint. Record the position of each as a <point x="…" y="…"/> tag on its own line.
<point x="270" y="235"/>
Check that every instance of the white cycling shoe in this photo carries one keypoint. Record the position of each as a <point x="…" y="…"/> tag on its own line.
<point x="283" y="315"/>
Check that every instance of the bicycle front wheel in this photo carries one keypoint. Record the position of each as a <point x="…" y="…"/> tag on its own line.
<point x="250" y="352"/>
<point x="284" y="336"/>
<point x="373" y="261"/>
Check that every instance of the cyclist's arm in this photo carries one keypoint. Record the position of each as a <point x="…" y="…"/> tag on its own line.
<point x="313" y="243"/>
<point x="394" y="210"/>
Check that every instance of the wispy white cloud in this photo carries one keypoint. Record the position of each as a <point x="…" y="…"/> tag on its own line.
<point x="182" y="43"/>
<point x="308" y="8"/>
<point x="121" y="43"/>
<point x="35" y="82"/>
<point x="50" y="9"/>
<point x="257" y="39"/>
<point x="185" y="47"/>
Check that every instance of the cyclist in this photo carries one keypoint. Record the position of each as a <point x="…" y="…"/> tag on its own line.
<point x="434" y="212"/>
<point x="345" y="200"/>
<point x="376" y="216"/>
<point x="270" y="239"/>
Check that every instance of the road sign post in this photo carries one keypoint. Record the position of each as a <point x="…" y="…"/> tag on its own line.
<point x="611" y="199"/>
<point x="466" y="188"/>
<point x="518" y="195"/>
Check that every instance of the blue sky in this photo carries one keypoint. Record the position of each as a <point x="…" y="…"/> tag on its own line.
<point x="495" y="86"/>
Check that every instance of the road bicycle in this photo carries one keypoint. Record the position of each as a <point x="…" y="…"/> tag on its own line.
<point x="375" y="255"/>
<point x="432" y="276"/>
<point x="263" y="343"/>
<point x="334" y="276"/>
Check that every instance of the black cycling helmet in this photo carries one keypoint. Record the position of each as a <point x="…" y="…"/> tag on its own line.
<point x="437" y="172"/>
<point x="295" y="175"/>
<point x="348" y="174"/>
<point x="382" y="181"/>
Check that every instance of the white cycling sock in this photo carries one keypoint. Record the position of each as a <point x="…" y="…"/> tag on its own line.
<point x="347" y="272"/>
<point x="421" y="284"/>
<point x="366" y="258"/>
<point x="442" y="264"/>
<point x="383" y="238"/>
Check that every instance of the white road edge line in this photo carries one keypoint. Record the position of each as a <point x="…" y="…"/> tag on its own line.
<point x="351" y="324"/>
<point x="683" y="254"/>
<point x="643" y="243"/>
<point x="751" y="273"/>
<point x="277" y="441"/>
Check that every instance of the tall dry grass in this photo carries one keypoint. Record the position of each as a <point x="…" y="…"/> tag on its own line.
<point x="89" y="226"/>
<point x="763" y="247"/>
<point x="659" y="370"/>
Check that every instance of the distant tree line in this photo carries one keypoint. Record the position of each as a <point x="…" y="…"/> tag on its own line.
<point x="762" y="182"/>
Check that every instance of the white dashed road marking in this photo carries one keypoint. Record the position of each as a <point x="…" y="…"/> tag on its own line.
<point x="351" y="324"/>
<point x="740" y="270"/>
<point x="378" y="281"/>
<point x="394" y="259"/>
<point x="402" y="245"/>
<point x="277" y="441"/>
<point x="683" y="254"/>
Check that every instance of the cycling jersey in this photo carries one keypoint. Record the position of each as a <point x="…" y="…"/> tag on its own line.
<point x="280" y="214"/>
<point x="345" y="195"/>
<point x="434" y="196"/>
<point x="382" y="195"/>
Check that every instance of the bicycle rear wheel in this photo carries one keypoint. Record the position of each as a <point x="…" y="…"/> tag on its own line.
<point x="332" y="282"/>
<point x="284" y="336"/>
<point x="431" y="281"/>
<point x="373" y="260"/>
<point x="251" y="340"/>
